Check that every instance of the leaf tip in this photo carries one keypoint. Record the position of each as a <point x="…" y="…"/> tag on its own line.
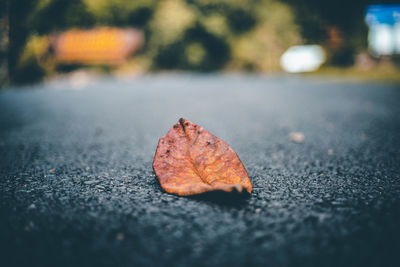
<point x="181" y="120"/>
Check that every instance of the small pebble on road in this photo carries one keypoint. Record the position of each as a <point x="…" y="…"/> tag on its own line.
<point x="297" y="137"/>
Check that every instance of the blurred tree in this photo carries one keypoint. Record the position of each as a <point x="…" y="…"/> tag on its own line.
<point x="240" y="20"/>
<point x="3" y="42"/>
<point x="120" y="12"/>
<point x="201" y="35"/>
<point x="319" y="19"/>
<point x="28" y="17"/>
<point x="198" y="50"/>
<point x="59" y="15"/>
<point x="210" y="35"/>
<point x="140" y="17"/>
<point x="18" y="33"/>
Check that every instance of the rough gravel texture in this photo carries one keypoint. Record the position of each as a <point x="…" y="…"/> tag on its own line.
<point x="77" y="186"/>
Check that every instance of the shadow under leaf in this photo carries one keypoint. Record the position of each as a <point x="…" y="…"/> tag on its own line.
<point x="233" y="198"/>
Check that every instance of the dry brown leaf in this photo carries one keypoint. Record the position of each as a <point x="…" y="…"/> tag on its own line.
<point x="189" y="160"/>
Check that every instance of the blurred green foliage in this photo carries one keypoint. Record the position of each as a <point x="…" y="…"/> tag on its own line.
<point x="195" y="35"/>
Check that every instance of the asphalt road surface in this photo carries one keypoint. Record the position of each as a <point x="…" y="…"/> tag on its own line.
<point x="77" y="186"/>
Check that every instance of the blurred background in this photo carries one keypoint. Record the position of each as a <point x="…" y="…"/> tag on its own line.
<point x="47" y="38"/>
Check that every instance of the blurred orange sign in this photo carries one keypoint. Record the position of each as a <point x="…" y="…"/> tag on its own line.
<point x="97" y="46"/>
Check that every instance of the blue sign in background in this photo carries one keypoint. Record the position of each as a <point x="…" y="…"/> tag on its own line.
<point x="382" y="14"/>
